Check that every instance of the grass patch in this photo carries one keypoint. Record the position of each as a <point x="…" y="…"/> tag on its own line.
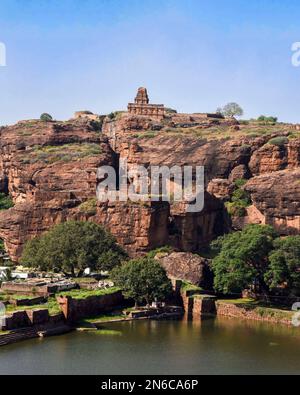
<point x="188" y="287"/>
<point x="19" y="297"/>
<point x="64" y="153"/>
<point x="103" y="318"/>
<point x="267" y="311"/>
<point x="242" y="301"/>
<point x="85" y="293"/>
<point x="85" y="280"/>
<point x="2" y="333"/>
<point x="51" y="305"/>
<point x="89" y="207"/>
<point x="251" y="129"/>
<point x="107" y="332"/>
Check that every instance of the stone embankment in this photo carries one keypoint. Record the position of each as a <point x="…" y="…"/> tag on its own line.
<point x="24" y="324"/>
<point x="198" y="306"/>
<point x="77" y="309"/>
<point x="266" y="314"/>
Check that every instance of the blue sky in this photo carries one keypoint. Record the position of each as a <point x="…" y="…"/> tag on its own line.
<point x="192" y="55"/>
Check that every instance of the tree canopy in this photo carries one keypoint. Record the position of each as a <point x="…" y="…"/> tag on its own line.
<point x="243" y="258"/>
<point x="73" y="246"/>
<point x="46" y="117"/>
<point x="256" y="257"/>
<point x="285" y="263"/>
<point x="142" y="279"/>
<point x="231" y="110"/>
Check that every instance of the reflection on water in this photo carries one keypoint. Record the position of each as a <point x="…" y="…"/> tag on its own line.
<point x="220" y="346"/>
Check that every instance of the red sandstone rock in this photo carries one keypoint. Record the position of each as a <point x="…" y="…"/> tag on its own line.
<point x="238" y="173"/>
<point x="277" y="197"/>
<point x="220" y="188"/>
<point x="188" y="267"/>
<point x="49" y="190"/>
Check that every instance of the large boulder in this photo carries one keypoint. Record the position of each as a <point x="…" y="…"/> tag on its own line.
<point x="220" y="188"/>
<point x="276" y="197"/>
<point x="187" y="267"/>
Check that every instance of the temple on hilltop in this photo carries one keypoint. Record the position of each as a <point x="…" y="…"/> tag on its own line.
<point x="141" y="106"/>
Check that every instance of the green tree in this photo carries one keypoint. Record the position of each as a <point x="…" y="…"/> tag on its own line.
<point x="6" y="201"/>
<point x="142" y="279"/>
<point x="46" y="117"/>
<point x="73" y="246"/>
<point x="285" y="263"/>
<point x="265" y="119"/>
<point x="231" y="110"/>
<point x="243" y="259"/>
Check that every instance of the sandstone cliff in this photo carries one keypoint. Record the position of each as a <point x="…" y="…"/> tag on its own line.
<point x="49" y="170"/>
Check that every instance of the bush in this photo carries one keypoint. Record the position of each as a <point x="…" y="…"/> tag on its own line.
<point x="279" y="141"/>
<point x="89" y="207"/>
<point x="96" y="125"/>
<point x="6" y="202"/>
<point x="240" y="200"/>
<point x="46" y="117"/>
<point x="160" y="250"/>
<point x="170" y="111"/>
<point x="265" y="119"/>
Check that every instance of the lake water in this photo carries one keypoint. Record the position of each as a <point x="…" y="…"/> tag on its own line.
<point x="220" y="346"/>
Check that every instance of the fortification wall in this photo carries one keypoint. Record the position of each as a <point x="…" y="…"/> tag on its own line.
<point x="76" y="309"/>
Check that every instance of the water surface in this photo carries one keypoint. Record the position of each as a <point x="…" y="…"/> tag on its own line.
<point x="220" y="346"/>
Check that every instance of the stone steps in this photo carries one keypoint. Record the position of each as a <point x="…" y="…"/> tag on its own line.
<point x="18" y="335"/>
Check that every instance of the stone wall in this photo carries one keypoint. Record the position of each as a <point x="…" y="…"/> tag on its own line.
<point x="258" y="314"/>
<point x="28" y="302"/>
<point x="24" y="288"/>
<point x="76" y="309"/>
<point x="24" y="319"/>
<point x="198" y="306"/>
<point x="203" y="305"/>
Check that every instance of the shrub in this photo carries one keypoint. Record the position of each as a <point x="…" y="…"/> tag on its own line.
<point x="279" y="141"/>
<point x="46" y="117"/>
<point x="264" y="119"/>
<point x="89" y="207"/>
<point x="6" y="202"/>
<point x="160" y="250"/>
<point x="240" y="200"/>
<point x="96" y="125"/>
<point x="170" y="110"/>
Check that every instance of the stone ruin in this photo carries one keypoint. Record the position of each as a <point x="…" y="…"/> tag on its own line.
<point x="141" y="106"/>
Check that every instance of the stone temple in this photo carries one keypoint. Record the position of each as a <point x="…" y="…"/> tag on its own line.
<point x="141" y="106"/>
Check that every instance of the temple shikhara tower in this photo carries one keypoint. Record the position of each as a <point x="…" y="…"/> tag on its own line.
<point x="141" y="106"/>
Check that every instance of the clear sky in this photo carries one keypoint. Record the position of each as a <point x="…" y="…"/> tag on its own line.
<point x="192" y="55"/>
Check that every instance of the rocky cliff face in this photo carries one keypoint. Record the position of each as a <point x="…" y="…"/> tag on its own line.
<point x="49" y="169"/>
